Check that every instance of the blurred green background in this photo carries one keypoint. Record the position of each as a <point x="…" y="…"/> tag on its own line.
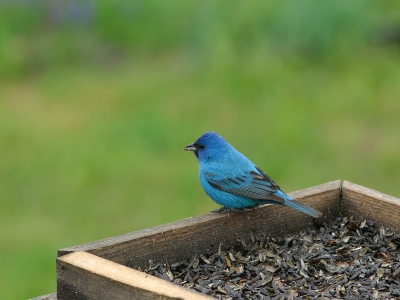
<point x="98" y="99"/>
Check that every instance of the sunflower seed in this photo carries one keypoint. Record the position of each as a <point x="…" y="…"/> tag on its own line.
<point x="345" y="259"/>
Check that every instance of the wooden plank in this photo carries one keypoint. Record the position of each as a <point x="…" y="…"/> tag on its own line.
<point x="182" y="239"/>
<point x="46" y="297"/>
<point x="81" y="275"/>
<point x="364" y="203"/>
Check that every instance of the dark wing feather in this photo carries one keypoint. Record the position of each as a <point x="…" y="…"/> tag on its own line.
<point x="253" y="185"/>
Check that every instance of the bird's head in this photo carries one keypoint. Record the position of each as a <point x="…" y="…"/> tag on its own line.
<point x="207" y="146"/>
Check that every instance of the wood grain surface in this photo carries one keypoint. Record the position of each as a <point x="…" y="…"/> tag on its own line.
<point x="81" y="275"/>
<point x="182" y="239"/>
<point x="364" y="203"/>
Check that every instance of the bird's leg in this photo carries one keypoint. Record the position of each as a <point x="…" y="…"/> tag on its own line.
<point x="225" y="210"/>
<point x="222" y="210"/>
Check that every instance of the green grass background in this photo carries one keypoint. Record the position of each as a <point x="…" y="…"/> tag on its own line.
<point x="98" y="99"/>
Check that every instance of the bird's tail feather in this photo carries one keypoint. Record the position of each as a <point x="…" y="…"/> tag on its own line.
<point x="302" y="207"/>
<point x="298" y="205"/>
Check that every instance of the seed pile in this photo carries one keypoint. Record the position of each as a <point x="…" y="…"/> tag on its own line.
<point x="341" y="260"/>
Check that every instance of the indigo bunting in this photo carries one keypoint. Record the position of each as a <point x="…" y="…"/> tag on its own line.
<point x="233" y="181"/>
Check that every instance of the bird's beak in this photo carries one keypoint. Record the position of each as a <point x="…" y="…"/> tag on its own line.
<point x="190" y="147"/>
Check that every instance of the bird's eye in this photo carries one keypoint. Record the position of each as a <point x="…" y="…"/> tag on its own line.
<point x="201" y="147"/>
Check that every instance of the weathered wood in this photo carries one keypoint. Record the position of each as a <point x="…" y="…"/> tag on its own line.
<point x="81" y="275"/>
<point x="46" y="297"/>
<point x="182" y="239"/>
<point x="101" y="275"/>
<point x="362" y="203"/>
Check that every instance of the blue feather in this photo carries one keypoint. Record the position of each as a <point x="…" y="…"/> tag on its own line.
<point x="233" y="181"/>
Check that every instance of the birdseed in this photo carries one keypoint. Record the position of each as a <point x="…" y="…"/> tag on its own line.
<point x="345" y="259"/>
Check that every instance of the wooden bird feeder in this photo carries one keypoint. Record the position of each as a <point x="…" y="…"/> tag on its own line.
<point x="99" y="270"/>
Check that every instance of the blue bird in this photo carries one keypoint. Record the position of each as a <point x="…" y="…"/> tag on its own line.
<point x="233" y="181"/>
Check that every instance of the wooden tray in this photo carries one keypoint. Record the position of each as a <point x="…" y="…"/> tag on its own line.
<point x="99" y="270"/>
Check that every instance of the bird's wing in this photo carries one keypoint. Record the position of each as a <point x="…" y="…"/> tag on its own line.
<point x="255" y="185"/>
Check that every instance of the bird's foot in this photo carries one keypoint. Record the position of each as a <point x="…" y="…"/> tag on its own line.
<point x="222" y="210"/>
<point x="225" y="210"/>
